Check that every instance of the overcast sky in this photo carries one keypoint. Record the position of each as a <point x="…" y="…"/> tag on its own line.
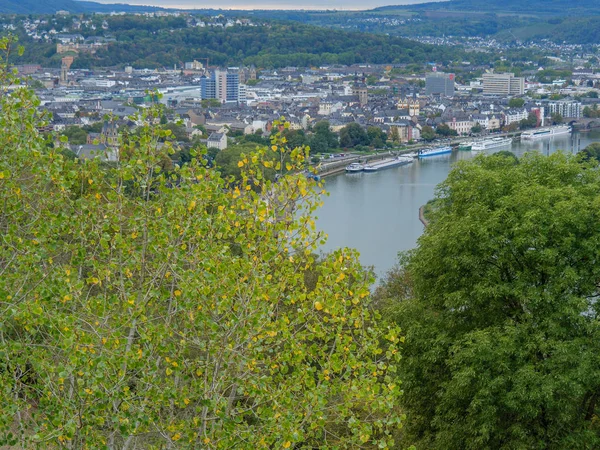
<point x="268" y="4"/>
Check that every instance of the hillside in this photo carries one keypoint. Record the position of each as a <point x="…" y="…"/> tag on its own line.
<point x="530" y="8"/>
<point x="158" y="42"/>
<point x="51" y="6"/>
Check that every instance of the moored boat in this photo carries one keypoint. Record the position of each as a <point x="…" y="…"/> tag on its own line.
<point x="465" y="146"/>
<point x="388" y="163"/>
<point x="487" y="144"/>
<point x="354" y="168"/>
<point x="539" y="133"/>
<point x="435" y="151"/>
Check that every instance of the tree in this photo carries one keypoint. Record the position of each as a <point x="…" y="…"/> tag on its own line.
<point x="530" y="122"/>
<point x="377" y="137"/>
<point x="178" y="131"/>
<point x="502" y="337"/>
<point x="323" y="139"/>
<point x="427" y="133"/>
<point x="516" y="102"/>
<point x="152" y="309"/>
<point x="352" y="135"/>
<point x="445" y="131"/>
<point x="588" y="112"/>
<point x="75" y="135"/>
<point x="592" y="151"/>
<point x="557" y="119"/>
<point x="476" y="128"/>
<point x="295" y="138"/>
<point x="394" y="135"/>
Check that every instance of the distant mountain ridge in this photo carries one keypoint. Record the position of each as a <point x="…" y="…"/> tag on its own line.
<point x="529" y="7"/>
<point x="52" y="6"/>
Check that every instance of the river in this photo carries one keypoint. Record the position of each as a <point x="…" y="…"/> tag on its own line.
<point x="377" y="213"/>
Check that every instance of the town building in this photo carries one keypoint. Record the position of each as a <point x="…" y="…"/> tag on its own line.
<point x="566" y="108"/>
<point x="461" y="124"/>
<point x="503" y="84"/>
<point x="515" y="115"/>
<point x="439" y="83"/>
<point x="217" y="140"/>
<point x="222" y="85"/>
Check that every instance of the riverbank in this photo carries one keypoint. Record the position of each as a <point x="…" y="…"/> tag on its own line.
<point x="379" y="215"/>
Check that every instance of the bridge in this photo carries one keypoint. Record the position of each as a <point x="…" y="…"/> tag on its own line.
<point x="584" y="124"/>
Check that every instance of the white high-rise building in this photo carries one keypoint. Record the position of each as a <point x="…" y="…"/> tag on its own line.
<point x="503" y="84"/>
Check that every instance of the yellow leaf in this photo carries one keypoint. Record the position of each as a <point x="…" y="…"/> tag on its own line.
<point x="240" y="164"/>
<point x="318" y="306"/>
<point x="186" y="401"/>
<point x="176" y="437"/>
<point x="169" y="371"/>
<point x="288" y="166"/>
<point x="287" y="444"/>
<point x="274" y="148"/>
<point x="192" y="205"/>
<point x="177" y="293"/>
<point x="90" y="181"/>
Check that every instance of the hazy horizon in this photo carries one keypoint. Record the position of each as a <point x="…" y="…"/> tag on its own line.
<point x="268" y="4"/>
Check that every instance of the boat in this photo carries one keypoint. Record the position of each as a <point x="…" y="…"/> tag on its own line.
<point x="354" y="168"/>
<point x="388" y="163"/>
<point x="487" y="144"/>
<point x="465" y="145"/>
<point x="539" y="133"/>
<point x="435" y="151"/>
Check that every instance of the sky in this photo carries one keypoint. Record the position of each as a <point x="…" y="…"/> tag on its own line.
<point x="268" y="4"/>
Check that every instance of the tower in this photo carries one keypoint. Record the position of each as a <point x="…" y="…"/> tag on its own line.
<point x="64" y="69"/>
<point x="363" y="94"/>
<point x="109" y="135"/>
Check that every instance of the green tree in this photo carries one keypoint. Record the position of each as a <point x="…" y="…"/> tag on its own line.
<point x="394" y="135"/>
<point x="177" y="131"/>
<point x="499" y="305"/>
<point x="352" y="135"/>
<point x="427" y="133"/>
<point x="557" y="119"/>
<point x="592" y="151"/>
<point x="516" y="102"/>
<point x="152" y="309"/>
<point x="445" y="131"/>
<point x="476" y="128"/>
<point x="75" y="135"/>
<point x="530" y="122"/>
<point x="323" y="139"/>
<point x="377" y="137"/>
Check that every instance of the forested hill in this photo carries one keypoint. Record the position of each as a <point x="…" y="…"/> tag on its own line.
<point x="51" y="6"/>
<point x="268" y="46"/>
<point x="530" y="7"/>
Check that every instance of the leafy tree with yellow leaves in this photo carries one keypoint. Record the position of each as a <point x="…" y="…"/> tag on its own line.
<point x="144" y="308"/>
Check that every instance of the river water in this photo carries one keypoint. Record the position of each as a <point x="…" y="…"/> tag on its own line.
<point x="378" y="213"/>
